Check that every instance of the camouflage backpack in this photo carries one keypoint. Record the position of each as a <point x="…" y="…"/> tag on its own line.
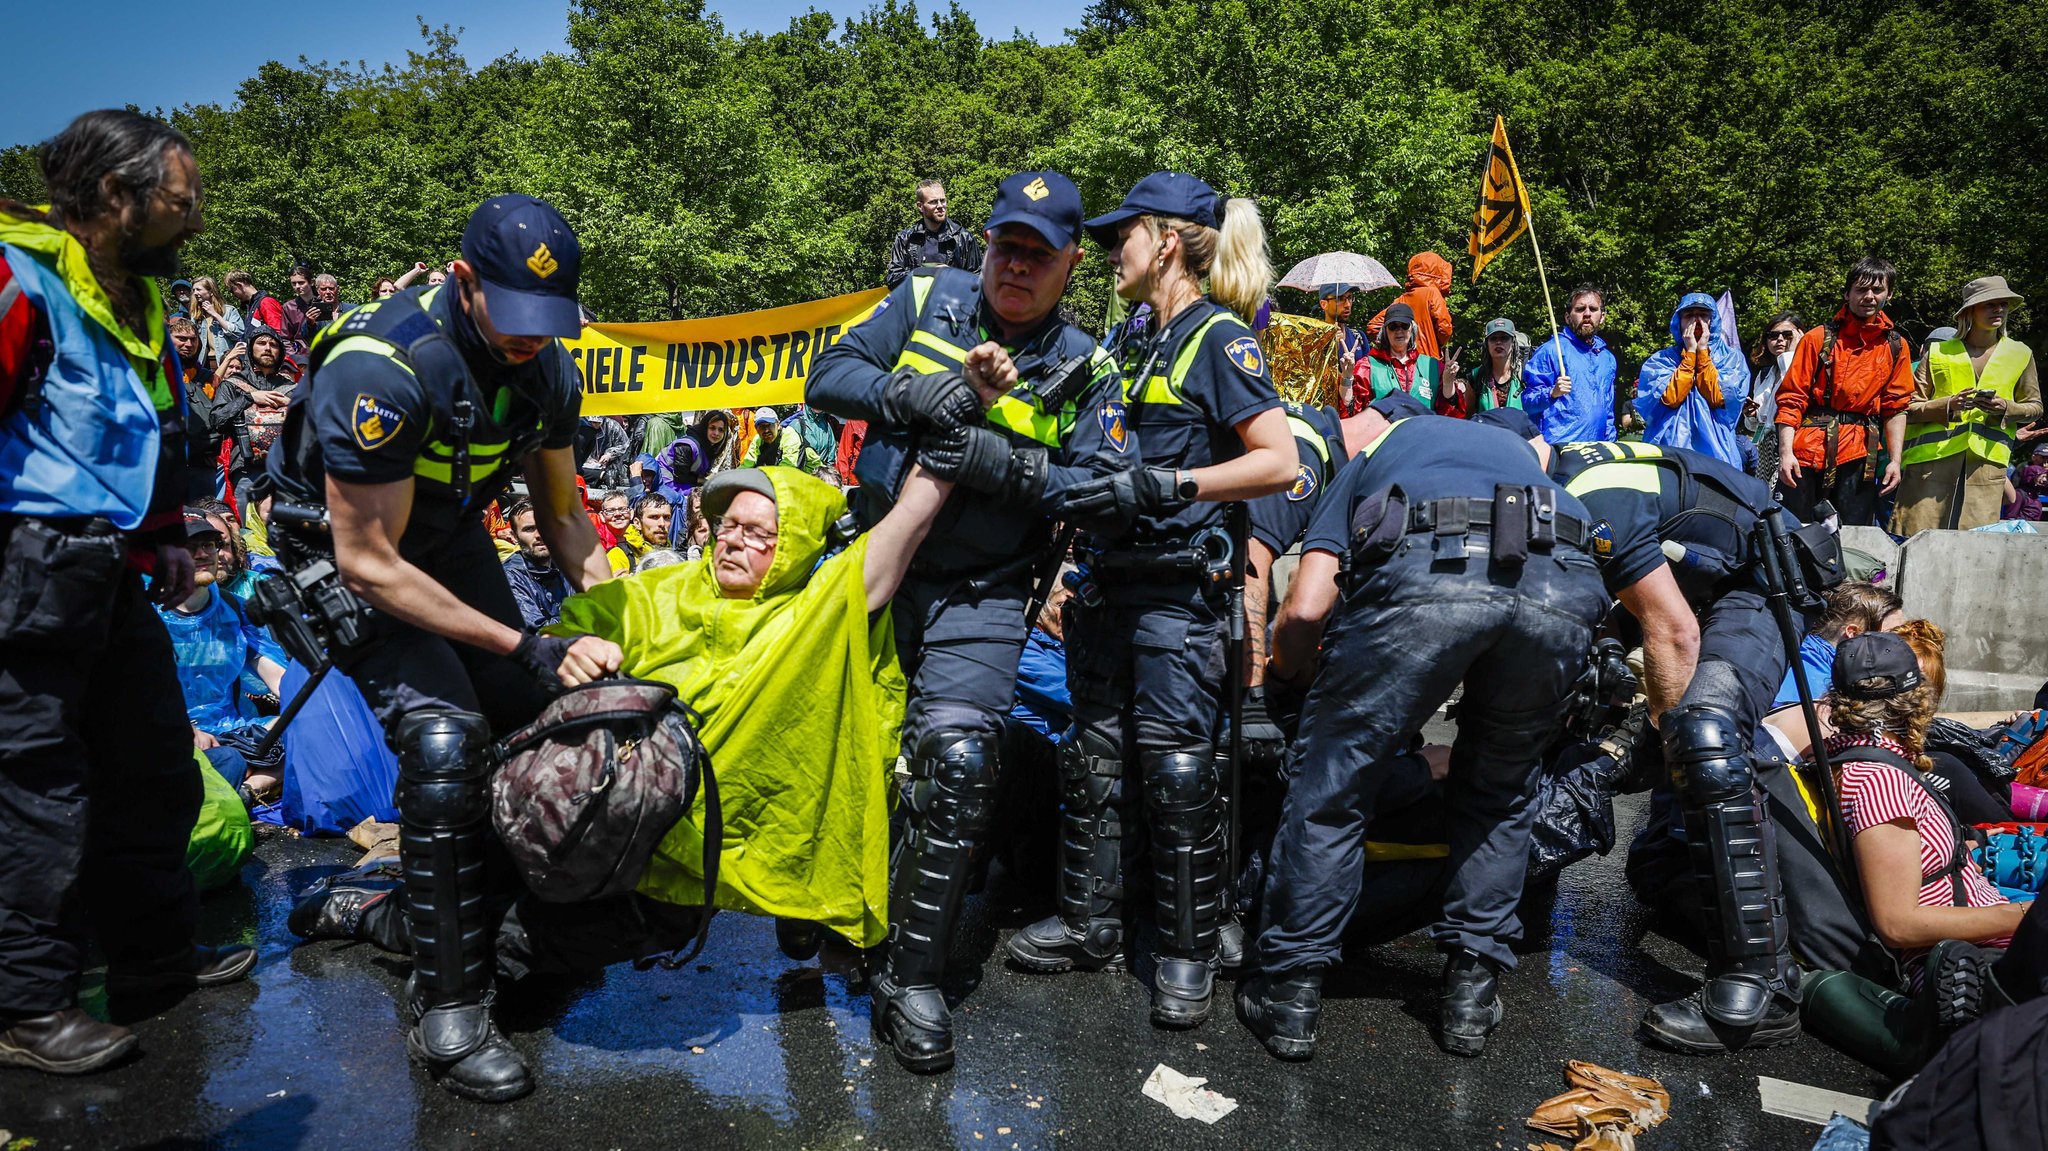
<point x="586" y="791"/>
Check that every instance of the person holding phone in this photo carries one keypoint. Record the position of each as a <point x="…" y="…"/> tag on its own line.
<point x="1971" y="394"/>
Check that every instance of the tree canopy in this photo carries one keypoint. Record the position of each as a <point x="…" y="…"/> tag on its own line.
<point x="1754" y="145"/>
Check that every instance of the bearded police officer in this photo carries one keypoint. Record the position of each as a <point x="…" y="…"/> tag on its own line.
<point x="1675" y="534"/>
<point x="1441" y="554"/>
<point x="420" y="407"/>
<point x="940" y="347"/>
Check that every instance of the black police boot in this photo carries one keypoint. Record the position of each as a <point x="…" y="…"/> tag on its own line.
<point x="463" y="1050"/>
<point x="1183" y="795"/>
<point x="1282" y="1010"/>
<point x="366" y="904"/>
<point x="1693" y="1025"/>
<point x="915" y="1023"/>
<point x="1087" y="934"/>
<point x="198" y="967"/>
<point x="443" y="797"/>
<point x="1230" y="945"/>
<point x="1470" y="1007"/>
<point x="67" y="1042"/>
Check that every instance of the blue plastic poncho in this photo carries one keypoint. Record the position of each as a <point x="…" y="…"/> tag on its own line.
<point x="1696" y="422"/>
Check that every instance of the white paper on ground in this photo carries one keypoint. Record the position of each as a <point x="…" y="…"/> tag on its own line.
<point x="1186" y="1097"/>
<point x="1813" y="1104"/>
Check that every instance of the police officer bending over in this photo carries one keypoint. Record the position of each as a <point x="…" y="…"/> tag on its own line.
<point x="1195" y="421"/>
<point x="1441" y="554"/>
<point x="942" y="345"/>
<point x="420" y="406"/>
<point x="1674" y="532"/>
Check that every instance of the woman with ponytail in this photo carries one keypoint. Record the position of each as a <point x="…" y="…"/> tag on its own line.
<point x="1189" y="426"/>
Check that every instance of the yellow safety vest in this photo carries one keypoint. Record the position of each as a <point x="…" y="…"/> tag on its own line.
<point x="929" y="351"/>
<point x="1165" y="389"/>
<point x="1975" y="431"/>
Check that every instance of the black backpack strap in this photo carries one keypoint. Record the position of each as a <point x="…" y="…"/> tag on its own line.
<point x="1959" y="858"/>
<point x="714" y="846"/>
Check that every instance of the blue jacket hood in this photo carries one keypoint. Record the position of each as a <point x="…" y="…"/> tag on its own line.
<point x="1699" y="300"/>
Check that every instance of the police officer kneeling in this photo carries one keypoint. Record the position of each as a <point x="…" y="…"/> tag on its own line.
<point x="1465" y="564"/>
<point x="419" y="407"/>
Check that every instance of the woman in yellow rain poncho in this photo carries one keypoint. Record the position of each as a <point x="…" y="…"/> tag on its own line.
<point x="794" y="675"/>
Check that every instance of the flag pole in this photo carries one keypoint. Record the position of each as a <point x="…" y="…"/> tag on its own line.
<point x="1557" y="340"/>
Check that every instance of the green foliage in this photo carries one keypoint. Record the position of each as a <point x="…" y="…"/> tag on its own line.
<point x="1753" y="145"/>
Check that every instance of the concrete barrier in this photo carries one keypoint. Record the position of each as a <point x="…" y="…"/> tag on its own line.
<point x="1989" y="591"/>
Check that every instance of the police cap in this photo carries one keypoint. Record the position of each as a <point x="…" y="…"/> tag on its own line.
<point x="529" y="260"/>
<point x="1160" y="194"/>
<point x="1047" y="202"/>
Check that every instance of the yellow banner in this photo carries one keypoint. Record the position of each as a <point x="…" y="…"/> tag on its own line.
<point x="1503" y="212"/>
<point x="741" y="361"/>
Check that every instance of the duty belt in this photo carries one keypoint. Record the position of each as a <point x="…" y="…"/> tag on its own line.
<point x="1207" y="559"/>
<point x="1457" y="515"/>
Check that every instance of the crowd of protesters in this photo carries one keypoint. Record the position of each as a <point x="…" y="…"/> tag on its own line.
<point x="1845" y="413"/>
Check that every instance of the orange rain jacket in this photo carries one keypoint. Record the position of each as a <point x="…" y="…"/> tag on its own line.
<point x="1869" y="381"/>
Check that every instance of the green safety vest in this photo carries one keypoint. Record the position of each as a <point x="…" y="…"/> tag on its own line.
<point x="1976" y="431"/>
<point x="1428" y="375"/>
<point x="386" y="328"/>
<point x="1017" y="413"/>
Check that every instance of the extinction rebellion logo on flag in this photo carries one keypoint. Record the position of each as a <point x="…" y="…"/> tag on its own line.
<point x="1503" y="212"/>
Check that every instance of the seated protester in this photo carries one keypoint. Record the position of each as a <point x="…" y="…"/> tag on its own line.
<point x="259" y="370"/>
<point x="1394" y="365"/>
<point x="218" y="651"/>
<point x="1044" y="704"/>
<point x="696" y="534"/>
<point x="537" y="584"/>
<point x="1854" y="608"/>
<point x="604" y="454"/>
<point x="614" y="514"/>
<point x="1917" y="881"/>
<point x="649" y="530"/>
<point x="685" y="463"/>
<point x="805" y="790"/>
<point x="765" y="448"/>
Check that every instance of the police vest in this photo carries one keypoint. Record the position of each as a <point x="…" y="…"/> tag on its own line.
<point x="1305" y="432"/>
<point x="1706" y="539"/>
<point x="1158" y="388"/>
<point x="1975" y="431"/>
<point x="462" y="451"/>
<point x="941" y="308"/>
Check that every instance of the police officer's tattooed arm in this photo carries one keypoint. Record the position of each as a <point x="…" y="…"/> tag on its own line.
<point x="1258" y="597"/>
<point x="368" y="520"/>
<point x="1299" y="631"/>
<point x="559" y="514"/>
<point x="1671" y="637"/>
<point x="892" y="542"/>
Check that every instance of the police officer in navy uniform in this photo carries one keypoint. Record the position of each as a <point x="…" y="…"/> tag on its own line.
<point x="1195" y="421"/>
<point x="941" y="346"/>
<point x="420" y="407"/>
<point x="1441" y="554"/>
<point x="1674" y="532"/>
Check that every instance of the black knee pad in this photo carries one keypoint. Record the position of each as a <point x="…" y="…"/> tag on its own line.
<point x="444" y="768"/>
<point x="1091" y="770"/>
<point x="1708" y="754"/>
<point x="956" y="782"/>
<point x="1183" y="779"/>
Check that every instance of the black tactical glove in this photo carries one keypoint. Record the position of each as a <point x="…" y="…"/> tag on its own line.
<point x="983" y="461"/>
<point x="1265" y="744"/>
<point x="1121" y="497"/>
<point x="934" y="400"/>
<point x="542" y="656"/>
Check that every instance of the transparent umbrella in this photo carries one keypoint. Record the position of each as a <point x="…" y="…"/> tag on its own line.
<point x="1361" y="272"/>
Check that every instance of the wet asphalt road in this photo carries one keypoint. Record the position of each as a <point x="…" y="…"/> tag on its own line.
<point x="747" y="1049"/>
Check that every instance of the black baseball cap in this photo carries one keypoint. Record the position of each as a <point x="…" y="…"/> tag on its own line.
<point x="197" y="524"/>
<point x="1398" y="406"/>
<point x="1878" y="656"/>
<point x="1046" y="201"/>
<point x="529" y="260"/>
<point x="1161" y="194"/>
<point x="1512" y="419"/>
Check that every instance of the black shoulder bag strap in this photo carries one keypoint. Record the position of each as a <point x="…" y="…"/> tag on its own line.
<point x="1959" y="858"/>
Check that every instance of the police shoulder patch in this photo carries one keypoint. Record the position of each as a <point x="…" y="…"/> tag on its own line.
<point x="1244" y="352"/>
<point x="1304" y="484"/>
<point x="1116" y="428"/>
<point x="374" y="422"/>
<point x="1602" y="536"/>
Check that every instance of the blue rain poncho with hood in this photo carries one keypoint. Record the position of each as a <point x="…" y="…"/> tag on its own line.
<point x="1711" y="385"/>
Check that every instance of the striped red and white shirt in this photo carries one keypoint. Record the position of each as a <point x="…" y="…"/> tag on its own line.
<point x="1872" y="794"/>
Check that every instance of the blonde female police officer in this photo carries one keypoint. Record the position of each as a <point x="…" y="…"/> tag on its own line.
<point x="1195" y="422"/>
<point x="942" y="345"/>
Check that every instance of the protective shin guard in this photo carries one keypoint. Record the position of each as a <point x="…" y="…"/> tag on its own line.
<point x="952" y="800"/>
<point x="1734" y="855"/>
<point x="1091" y="842"/>
<point x="1183" y="796"/>
<point x="443" y="802"/>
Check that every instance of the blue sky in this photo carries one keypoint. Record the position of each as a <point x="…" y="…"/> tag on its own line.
<point x="158" y="55"/>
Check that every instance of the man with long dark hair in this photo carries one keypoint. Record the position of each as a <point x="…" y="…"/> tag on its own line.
<point x="92" y="452"/>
